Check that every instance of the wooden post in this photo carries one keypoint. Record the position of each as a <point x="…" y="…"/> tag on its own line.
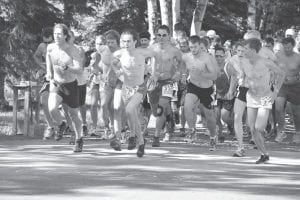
<point x="27" y="111"/>
<point x="15" y="110"/>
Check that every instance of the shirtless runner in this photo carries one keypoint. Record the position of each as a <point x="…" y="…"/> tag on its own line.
<point x="202" y="73"/>
<point x="63" y="66"/>
<point x="290" y="90"/>
<point x="261" y="94"/>
<point x="166" y="73"/>
<point x="129" y="62"/>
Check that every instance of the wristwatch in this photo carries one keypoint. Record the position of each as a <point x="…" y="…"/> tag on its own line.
<point x="65" y="67"/>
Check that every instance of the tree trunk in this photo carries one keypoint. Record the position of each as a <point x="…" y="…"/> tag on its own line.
<point x="272" y="16"/>
<point x="165" y="10"/>
<point x="175" y="12"/>
<point x="68" y="7"/>
<point x="198" y="16"/>
<point x="152" y="17"/>
<point x="2" y="79"/>
<point x="251" y="14"/>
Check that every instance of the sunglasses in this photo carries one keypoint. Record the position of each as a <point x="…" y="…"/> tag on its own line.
<point x="161" y="35"/>
<point x="219" y="56"/>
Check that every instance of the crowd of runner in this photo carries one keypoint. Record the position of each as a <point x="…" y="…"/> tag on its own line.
<point x="233" y="87"/>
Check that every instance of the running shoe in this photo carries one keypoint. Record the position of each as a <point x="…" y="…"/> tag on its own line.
<point x="182" y="132"/>
<point x="68" y="131"/>
<point x="221" y="138"/>
<point x="49" y="132"/>
<point x="155" y="142"/>
<point x="263" y="159"/>
<point x="239" y="153"/>
<point x="280" y="136"/>
<point x="131" y="143"/>
<point x="78" y="145"/>
<point x="212" y="145"/>
<point x="115" y="144"/>
<point x="61" y="129"/>
<point x="167" y="137"/>
<point x="141" y="149"/>
<point x="191" y="136"/>
<point x="252" y="142"/>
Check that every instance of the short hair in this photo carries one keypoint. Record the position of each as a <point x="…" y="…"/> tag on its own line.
<point x="254" y="43"/>
<point x="239" y="43"/>
<point x="269" y="40"/>
<point x="219" y="48"/>
<point x="196" y="39"/>
<point x="112" y="35"/>
<point x="64" y="28"/>
<point x="288" y="40"/>
<point x="131" y="32"/>
<point x="145" y="34"/>
<point x="47" y="32"/>
<point x="163" y="27"/>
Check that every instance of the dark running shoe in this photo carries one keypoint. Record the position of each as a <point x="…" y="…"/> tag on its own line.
<point x="61" y="129"/>
<point x="131" y="143"/>
<point x="182" y="132"/>
<point x="221" y="139"/>
<point x="155" y="142"/>
<point x="263" y="159"/>
<point x="115" y="144"/>
<point x="212" y="145"/>
<point x="72" y="138"/>
<point x="78" y="145"/>
<point x="85" y="130"/>
<point x="141" y="149"/>
<point x="252" y="142"/>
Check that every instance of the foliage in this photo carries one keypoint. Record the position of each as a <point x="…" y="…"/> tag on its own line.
<point x="21" y="24"/>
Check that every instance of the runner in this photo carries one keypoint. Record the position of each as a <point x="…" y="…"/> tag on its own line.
<point x="40" y="58"/>
<point x="166" y="73"/>
<point x="63" y="66"/>
<point x="130" y="62"/>
<point x="82" y="79"/>
<point x="261" y="93"/>
<point x="290" y="89"/>
<point x="238" y="62"/>
<point x="202" y="73"/>
<point x="107" y="90"/>
<point x="225" y="91"/>
<point x="95" y="76"/>
<point x="145" y="106"/>
<point x="183" y="45"/>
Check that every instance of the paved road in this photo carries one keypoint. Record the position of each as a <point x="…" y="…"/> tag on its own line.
<point x="34" y="169"/>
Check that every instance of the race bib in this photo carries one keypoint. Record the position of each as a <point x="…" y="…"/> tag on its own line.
<point x="167" y="90"/>
<point x="128" y="92"/>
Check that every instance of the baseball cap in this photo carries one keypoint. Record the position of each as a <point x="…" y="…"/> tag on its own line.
<point x="290" y="32"/>
<point x="211" y="33"/>
<point x="252" y="34"/>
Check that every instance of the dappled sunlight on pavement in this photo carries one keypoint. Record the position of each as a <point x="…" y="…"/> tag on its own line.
<point x="50" y="170"/>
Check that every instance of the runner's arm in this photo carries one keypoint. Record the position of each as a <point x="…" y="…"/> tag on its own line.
<point x="94" y="64"/>
<point x="76" y="65"/>
<point x="49" y="66"/>
<point x="211" y="70"/>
